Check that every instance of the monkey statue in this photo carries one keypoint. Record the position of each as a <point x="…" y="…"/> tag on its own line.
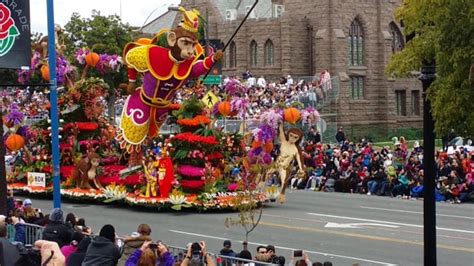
<point x="289" y="151"/>
<point x="150" y="170"/>
<point x="164" y="71"/>
<point x="86" y="171"/>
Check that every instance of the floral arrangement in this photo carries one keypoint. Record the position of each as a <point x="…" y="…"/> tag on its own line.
<point x="115" y="192"/>
<point x="14" y="116"/>
<point x="106" y="62"/>
<point x="272" y="117"/>
<point x="189" y="170"/>
<point x="198" y="120"/>
<point x="196" y="139"/>
<point x="310" y="116"/>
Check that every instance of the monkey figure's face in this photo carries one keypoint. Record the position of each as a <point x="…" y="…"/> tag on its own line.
<point x="95" y="162"/>
<point x="293" y="138"/>
<point x="182" y="47"/>
<point x="186" y="45"/>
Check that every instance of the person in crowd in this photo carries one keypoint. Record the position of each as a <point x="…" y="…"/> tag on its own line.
<point x="135" y="241"/>
<point x="340" y="136"/>
<point x="228" y="252"/>
<point x="273" y="257"/>
<point x="151" y="254"/>
<point x="72" y="247"/>
<point x="71" y="220"/>
<point x="56" y="230"/>
<point x="32" y="215"/>
<point x="197" y="255"/>
<point x="10" y="201"/>
<point x="76" y="258"/>
<point x="103" y="250"/>
<point x="50" y="253"/>
<point x="10" y="254"/>
<point x="300" y="261"/>
<point x="400" y="189"/>
<point x="379" y="178"/>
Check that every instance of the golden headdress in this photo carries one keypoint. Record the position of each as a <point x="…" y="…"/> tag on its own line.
<point x="190" y="21"/>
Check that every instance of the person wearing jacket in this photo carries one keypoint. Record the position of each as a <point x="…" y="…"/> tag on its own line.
<point x="103" y="251"/>
<point x="76" y="258"/>
<point x="72" y="247"/>
<point x="145" y="253"/>
<point x="56" y="230"/>
<point x="9" y="252"/>
<point x="134" y="242"/>
<point x="50" y="253"/>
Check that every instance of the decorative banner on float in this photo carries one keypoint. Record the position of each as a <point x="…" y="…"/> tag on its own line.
<point x="15" y="43"/>
<point x="36" y="179"/>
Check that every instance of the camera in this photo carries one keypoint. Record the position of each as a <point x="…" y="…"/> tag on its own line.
<point x="195" y="250"/>
<point x="298" y="253"/>
<point x="153" y="246"/>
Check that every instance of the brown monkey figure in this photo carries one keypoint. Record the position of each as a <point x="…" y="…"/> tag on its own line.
<point x="86" y="171"/>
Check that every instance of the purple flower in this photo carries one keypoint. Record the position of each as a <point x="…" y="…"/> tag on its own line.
<point x="15" y="115"/>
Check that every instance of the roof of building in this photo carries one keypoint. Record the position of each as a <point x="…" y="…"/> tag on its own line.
<point x="164" y="21"/>
<point x="262" y="10"/>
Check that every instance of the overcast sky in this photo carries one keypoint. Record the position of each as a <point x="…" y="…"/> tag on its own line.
<point x="134" y="12"/>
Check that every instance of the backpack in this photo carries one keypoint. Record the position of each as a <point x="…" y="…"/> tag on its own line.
<point x="28" y="256"/>
<point x="52" y="235"/>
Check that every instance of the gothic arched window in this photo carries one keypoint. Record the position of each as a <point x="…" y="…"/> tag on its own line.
<point x="268" y="53"/>
<point x="397" y="38"/>
<point x="253" y="53"/>
<point x="355" y="44"/>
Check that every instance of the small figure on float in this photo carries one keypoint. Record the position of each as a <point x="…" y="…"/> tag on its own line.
<point x="164" y="70"/>
<point x="150" y="169"/>
<point x="289" y="151"/>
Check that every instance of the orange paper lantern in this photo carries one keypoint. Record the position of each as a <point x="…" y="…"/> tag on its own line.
<point x="224" y="108"/>
<point x="15" y="142"/>
<point x="45" y="72"/>
<point x="291" y="115"/>
<point x="92" y="59"/>
<point x="256" y="144"/>
<point x="268" y="147"/>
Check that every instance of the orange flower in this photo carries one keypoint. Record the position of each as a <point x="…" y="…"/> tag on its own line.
<point x="195" y="121"/>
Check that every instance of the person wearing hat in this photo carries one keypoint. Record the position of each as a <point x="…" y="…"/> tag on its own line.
<point x="227" y="251"/>
<point x="103" y="250"/>
<point x="56" y="230"/>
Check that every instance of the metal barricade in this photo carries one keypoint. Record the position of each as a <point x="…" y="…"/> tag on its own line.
<point x="33" y="232"/>
<point x="222" y="260"/>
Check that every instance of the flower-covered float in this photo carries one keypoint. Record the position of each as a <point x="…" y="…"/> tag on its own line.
<point x="201" y="167"/>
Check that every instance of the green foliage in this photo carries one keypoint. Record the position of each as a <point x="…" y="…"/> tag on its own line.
<point x="107" y="34"/>
<point x="189" y="109"/>
<point x="443" y="32"/>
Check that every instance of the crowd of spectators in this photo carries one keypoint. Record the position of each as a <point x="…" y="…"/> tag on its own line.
<point x="384" y="171"/>
<point x="69" y="242"/>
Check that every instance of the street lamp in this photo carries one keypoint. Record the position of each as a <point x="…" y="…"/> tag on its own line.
<point x="428" y="75"/>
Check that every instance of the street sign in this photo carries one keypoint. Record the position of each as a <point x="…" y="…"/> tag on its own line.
<point x="210" y="99"/>
<point x="212" y="80"/>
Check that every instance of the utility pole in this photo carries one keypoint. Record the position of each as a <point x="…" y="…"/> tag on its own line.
<point x="428" y="75"/>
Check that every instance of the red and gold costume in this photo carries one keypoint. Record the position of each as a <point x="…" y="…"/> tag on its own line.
<point x="146" y="108"/>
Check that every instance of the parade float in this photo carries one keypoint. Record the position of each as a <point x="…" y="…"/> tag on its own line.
<point x="201" y="167"/>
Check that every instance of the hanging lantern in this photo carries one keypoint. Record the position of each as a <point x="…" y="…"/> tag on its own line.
<point x="224" y="108"/>
<point x="15" y="142"/>
<point x="45" y="72"/>
<point x="256" y="144"/>
<point x="92" y="59"/>
<point x="291" y="115"/>
<point x="268" y="147"/>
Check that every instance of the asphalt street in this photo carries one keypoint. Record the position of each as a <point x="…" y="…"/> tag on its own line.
<point x="342" y="228"/>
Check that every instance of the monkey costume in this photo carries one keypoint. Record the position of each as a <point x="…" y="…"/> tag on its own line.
<point x="146" y="108"/>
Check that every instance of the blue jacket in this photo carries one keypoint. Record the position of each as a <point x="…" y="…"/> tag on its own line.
<point x="20" y="235"/>
<point x="166" y="260"/>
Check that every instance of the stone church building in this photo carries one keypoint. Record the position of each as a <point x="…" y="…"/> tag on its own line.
<point x="353" y="39"/>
